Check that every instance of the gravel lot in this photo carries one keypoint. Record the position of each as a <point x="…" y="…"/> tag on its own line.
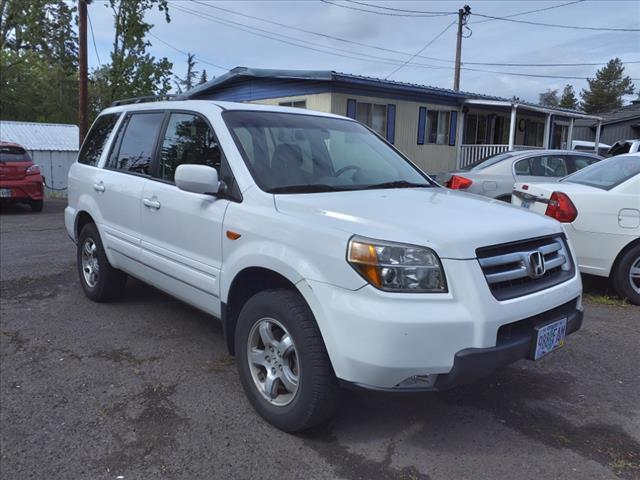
<point x="143" y="388"/>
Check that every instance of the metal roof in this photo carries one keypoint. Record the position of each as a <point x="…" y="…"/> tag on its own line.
<point x="241" y="73"/>
<point x="41" y="136"/>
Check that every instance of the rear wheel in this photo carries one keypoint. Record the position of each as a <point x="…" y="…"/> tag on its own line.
<point x="283" y="363"/>
<point x="36" y="205"/>
<point x="99" y="280"/>
<point x="626" y="277"/>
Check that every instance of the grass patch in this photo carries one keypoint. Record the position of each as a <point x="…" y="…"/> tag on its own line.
<point x="609" y="300"/>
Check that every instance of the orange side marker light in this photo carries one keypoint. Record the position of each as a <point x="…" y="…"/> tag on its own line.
<point x="231" y="235"/>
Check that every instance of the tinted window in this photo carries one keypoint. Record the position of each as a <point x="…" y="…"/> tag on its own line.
<point x="543" y="166"/>
<point x="12" y="153"/>
<point x="97" y="138"/>
<point x="135" y="152"/>
<point x="188" y="140"/>
<point x="579" y="162"/>
<point x="607" y="173"/>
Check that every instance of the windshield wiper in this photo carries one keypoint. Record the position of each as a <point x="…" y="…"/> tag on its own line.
<point x="397" y="184"/>
<point x="312" y="188"/>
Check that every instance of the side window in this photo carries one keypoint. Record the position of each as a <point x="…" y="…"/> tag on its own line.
<point x="523" y="167"/>
<point x="137" y="144"/>
<point x="187" y="140"/>
<point x="97" y="138"/>
<point x="579" y="162"/>
<point x="548" y="166"/>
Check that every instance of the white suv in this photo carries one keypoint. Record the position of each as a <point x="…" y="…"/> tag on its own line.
<point x="329" y="257"/>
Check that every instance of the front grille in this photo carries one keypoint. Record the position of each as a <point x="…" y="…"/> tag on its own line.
<point x="510" y="272"/>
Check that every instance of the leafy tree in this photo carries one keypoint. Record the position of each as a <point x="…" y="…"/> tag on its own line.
<point x="606" y="90"/>
<point x="203" y="77"/>
<point x="38" y="61"/>
<point x="548" y="98"/>
<point x="568" y="99"/>
<point x="132" y="71"/>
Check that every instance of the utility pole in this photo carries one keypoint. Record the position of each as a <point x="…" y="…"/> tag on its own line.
<point x="463" y="13"/>
<point x="82" y="60"/>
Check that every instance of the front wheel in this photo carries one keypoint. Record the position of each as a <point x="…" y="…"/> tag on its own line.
<point x="626" y="277"/>
<point x="36" y="205"/>
<point x="282" y="361"/>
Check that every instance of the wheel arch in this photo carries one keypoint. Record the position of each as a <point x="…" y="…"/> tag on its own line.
<point x="82" y="218"/>
<point x="621" y="253"/>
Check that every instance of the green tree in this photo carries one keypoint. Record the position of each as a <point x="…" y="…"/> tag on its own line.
<point x="38" y="61"/>
<point x="568" y="99"/>
<point x="548" y="98"/>
<point x="189" y="80"/>
<point x="132" y="71"/>
<point x="606" y="90"/>
<point x="203" y="77"/>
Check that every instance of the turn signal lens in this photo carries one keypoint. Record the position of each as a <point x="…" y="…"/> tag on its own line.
<point x="456" y="182"/>
<point x="396" y="267"/>
<point x="33" y="170"/>
<point x="561" y="208"/>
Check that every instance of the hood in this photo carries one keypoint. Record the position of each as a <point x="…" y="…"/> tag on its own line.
<point x="454" y="224"/>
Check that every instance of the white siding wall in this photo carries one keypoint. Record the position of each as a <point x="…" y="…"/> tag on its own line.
<point x="429" y="157"/>
<point x="54" y="166"/>
<point x="317" y="101"/>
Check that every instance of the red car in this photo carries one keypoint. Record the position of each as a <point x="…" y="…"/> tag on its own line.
<point x="20" y="179"/>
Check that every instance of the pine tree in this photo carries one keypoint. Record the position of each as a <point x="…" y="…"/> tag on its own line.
<point x="568" y="99"/>
<point x="548" y="98"/>
<point x="188" y="82"/>
<point x="606" y="90"/>
<point x="203" y="77"/>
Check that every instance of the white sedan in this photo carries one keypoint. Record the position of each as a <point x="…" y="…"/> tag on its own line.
<point x="599" y="208"/>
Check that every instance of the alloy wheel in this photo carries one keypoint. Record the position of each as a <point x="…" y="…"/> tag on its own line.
<point x="90" y="264"/>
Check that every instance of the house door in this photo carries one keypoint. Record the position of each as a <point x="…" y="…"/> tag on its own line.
<point x="559" y="136"/>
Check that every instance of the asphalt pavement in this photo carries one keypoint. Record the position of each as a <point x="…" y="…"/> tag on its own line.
<point x="143" y="388"/>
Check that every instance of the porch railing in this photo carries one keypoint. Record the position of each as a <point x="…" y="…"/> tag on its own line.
<point x="470" y="154"/>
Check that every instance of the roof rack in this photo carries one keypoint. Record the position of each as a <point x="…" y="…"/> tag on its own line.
<point x="143" y="99"/>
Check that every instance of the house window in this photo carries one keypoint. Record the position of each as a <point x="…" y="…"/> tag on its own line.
<point x="438" y="127"/>
<point x="373" y="115"/>
<point x="294" y="104"/>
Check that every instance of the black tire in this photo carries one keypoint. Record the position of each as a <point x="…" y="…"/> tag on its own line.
<point x="621" y="274"/>
<point x="110" y="282"/>
<point x="317" y="395"/>
<point x="36" y="205"/>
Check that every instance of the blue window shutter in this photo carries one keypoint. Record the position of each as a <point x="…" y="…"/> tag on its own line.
<point x="452" y="128"/>
<point x="391" y="123"/>
<point x="351" y="108"/>
<point x="422" y="123"/>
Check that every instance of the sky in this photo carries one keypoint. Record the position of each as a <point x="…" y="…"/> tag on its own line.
<point x="385" y="42"/>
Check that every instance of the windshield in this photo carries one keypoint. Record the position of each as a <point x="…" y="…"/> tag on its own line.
<point x="487" y="162"/>
<point x="13" y="154"/>
<point x="608" y="173"/>
<point x="292" y="153"/>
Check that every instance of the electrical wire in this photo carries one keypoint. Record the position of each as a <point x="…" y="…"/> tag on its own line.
<point x="93" y="39"/>
<point x="423" y="48"/>
<point x="187" y="53"/>
<point x="555" y="25"/>
<point x="389" y="14"/>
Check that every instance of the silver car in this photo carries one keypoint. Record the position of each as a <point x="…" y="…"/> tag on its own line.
<point x="494" y="176"/>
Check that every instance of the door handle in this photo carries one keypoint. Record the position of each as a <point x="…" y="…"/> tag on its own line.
<point x="98" y="187"/>
<point x="151" y="203"/>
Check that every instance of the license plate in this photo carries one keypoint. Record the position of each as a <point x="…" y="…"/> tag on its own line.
<point x="549" y="337"/>
<point x="5" y="192"/>
<point x="525" y="203"/>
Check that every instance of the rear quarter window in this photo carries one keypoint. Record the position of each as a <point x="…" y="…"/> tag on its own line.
<point x="12" y="153"/>
<point x="97" y="138"/>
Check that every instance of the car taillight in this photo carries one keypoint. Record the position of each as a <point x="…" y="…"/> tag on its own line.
<point x="33" y="170"/>
<point x="561" y="208"/>
<point x="456" y="182"/>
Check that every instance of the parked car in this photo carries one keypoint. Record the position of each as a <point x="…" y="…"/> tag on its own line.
<point x="585" y="146"/>
<point x="20" y="179"/>
<point x="495" y="176"/>
<point x="624" y="146"/>
<point x="600" y="211"/>
<point x="329" y="257"/>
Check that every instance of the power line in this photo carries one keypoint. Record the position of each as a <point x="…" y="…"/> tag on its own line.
<point x="93" y="39"/>
<point x="389" y="14"/>
<point x="423" y="48"/>
<point x="187" y="53"/>
<point x="382" y="7"/>
<point x="533" y="11"/>
<point x="555" y="25"/>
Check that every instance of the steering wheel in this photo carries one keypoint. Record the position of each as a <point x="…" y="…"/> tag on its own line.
<point x="346" y="169"/>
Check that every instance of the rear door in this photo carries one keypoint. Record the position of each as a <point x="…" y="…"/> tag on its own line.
<point x="182" y="231"/>
<point x="118" y="186"/>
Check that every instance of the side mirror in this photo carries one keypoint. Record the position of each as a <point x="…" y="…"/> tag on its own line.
<point x="197" y="179"/>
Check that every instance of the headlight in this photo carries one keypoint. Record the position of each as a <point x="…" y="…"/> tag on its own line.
<point x="397" y="267"/>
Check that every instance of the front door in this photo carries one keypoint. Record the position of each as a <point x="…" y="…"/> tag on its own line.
<point x="182" y="231"/>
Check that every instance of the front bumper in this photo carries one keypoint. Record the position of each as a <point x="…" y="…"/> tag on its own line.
<point x="27" y="189"/>
<point x="378" y="339"/>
